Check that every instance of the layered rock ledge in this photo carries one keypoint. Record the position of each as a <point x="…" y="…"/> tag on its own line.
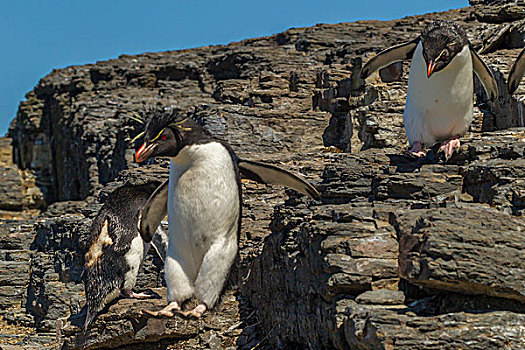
<point x="400" y="253"/>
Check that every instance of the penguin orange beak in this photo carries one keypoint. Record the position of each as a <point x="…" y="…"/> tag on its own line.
<point x="430" y="68"/>
<point x="144" y="152"/>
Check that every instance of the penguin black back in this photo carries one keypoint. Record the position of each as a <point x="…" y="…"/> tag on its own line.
<point x="111" y="236"/>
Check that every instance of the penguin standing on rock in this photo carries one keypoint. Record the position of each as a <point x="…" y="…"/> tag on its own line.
<point x="204" y="206"/>
<point x="516" y="73"/>
<point x="439" y="104"/>
<point x="116" y="249"/>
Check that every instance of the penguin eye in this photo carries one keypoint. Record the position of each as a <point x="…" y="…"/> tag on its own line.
<point x="163" y="137"/>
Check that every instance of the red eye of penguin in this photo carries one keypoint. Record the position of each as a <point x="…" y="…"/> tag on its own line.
<point x="163" y="137"/>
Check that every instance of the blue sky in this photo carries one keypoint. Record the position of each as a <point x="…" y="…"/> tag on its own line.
<point x="39" y="35"/>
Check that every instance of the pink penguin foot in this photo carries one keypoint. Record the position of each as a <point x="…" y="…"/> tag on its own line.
<point x="168" y="311"/>
<point x="134" y="295"/>
<point x="197" y="312"/>
<point x="416" y="150"/>
<point x="450" y="146"/>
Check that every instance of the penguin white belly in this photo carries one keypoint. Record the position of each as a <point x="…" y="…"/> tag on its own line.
<point x="203" y="213"/>
<point x="441" y="106"/>
<point x="134" y="257"/>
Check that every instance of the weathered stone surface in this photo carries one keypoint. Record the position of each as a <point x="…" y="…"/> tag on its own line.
<point x="18" y="191"/>
<point x="125" y="324"/>
<point x="498" y="11"/>
<point x="14" y="264"/>
<point x="316" y="257"/>
<point x="463" y="250"/>
<point x="495" y="175"/>
<point x="366" y="328"/>
<point x="15" y="235"/>
<point x="381" y="297"/>
<point x="11" y="189"/>
<point x="336" y="254"/>
<point x="328" y="275"/>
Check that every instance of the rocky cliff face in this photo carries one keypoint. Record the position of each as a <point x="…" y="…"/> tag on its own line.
<point x="400" y="254"/>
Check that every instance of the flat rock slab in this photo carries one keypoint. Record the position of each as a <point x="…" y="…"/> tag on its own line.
<point x="14" y="235"/>
<point x="463" y="250"/>
<point x="381" y="297"/>
<point x="11" y="193"/>
<point x="124" y="324"/>
<point x="388" y="329"/>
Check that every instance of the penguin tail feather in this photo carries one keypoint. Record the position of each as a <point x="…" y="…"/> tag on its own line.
<point x="90" y="316"/>
<point x="270" y="174"/>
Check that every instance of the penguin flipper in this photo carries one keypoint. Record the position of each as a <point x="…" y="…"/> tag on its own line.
<point x="270" y="174"/>
<point x="484" y="74"/>
<point x="160" y="242"/>
<point x="386" y="57"/>
<point x="90" y="316"/>
<point x="153" y="212"/>
<point x="516" y="73"/>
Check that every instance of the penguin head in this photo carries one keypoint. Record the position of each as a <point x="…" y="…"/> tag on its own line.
<point x="163" y="134"/>
<point x="441" y="41"/>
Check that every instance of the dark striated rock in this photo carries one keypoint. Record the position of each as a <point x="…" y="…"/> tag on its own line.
<point x="11" y="189"/>
<point x="350" y="272"/>
<point x="392" y="210"/>
<point x="498" y="11"/>
<point x="462" y="250"/>
<point x="14" y="267"/>
<point x="371" y="328"/>
<point x="314" y="259"/>
<point x="381" y="297"/>
<point x="124" y="324"/>
<point x="496" y="173"/>
<point x="18" y="192"/>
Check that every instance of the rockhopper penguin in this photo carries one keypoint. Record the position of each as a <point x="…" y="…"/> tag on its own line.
<point x="516" y="73"/>
<point x="204" y="206"/>
<point x="439" y="104"/>
<point x="116" y="249"/>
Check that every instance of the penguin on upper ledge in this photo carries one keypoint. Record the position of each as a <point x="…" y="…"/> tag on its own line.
<point x="439" y="104"/>
<point x="204" y="204"/>
<point x="516" y="73"/>
<point x="116" y="249"/>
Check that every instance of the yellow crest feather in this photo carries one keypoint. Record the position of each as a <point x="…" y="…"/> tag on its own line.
<point x="179" y="126"/>
<point x="136" y="117"/>
<point x="137" y="137"/>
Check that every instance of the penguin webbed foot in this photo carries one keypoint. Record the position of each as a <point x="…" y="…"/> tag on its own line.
<point x="450" y="146"/>
<point x="196" y="312"/>
<point x="166" y="312"/>
<point x="143" y="295"/>
<point x="416" y="151"/>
